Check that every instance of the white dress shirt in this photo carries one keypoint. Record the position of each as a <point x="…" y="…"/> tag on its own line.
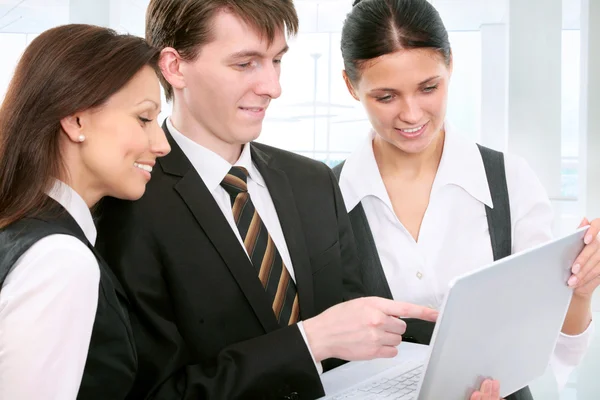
<point x="212" y="168"/>
<point x="47" y="310"/>
<point x="454" y="237"/>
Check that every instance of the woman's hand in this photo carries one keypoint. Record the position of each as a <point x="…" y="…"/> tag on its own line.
<point x="585" y="276"/>
<point x="490" y="390"/>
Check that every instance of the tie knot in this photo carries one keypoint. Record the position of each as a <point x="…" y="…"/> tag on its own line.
<point x="235" y="182"/>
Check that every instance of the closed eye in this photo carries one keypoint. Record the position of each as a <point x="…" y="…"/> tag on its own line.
<point x="246" y="65"/>
<point x="430" y="89"/>
<point x="385" y="99"/>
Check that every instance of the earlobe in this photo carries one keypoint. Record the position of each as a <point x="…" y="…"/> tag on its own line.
<point x="170" y="67"/>
<point x="73" y="128"/>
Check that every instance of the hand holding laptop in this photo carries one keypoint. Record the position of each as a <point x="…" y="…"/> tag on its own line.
<point x="362" y="329"/>
<point x="490" y="390"/>
<point x="586" y="268"/>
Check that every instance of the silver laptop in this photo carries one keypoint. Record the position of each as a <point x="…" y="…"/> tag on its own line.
<point x="499" y="322"/>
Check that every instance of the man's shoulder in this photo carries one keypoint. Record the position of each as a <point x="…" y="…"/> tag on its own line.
<point x="290" y="161"/>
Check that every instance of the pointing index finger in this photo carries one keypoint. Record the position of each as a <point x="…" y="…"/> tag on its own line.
<point x="408" y="310"/>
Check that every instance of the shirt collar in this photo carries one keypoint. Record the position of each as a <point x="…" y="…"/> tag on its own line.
<point x="76" y="207"/>
<point x="360" y="176"/>
<point x="460" y="165"/>
<point x="211" y="167"/>
<point x="245" y="161"/>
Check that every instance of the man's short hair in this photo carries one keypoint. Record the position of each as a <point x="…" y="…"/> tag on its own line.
<point x="186" y="25"/>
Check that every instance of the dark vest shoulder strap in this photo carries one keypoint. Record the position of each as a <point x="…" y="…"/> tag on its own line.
<point x="372" y="273"/>
<point x="371" y="270"/>
<point x="499" y="222"/>
<point x="59" y="221"/>
<point x="17" y="238"/>
<point x="337" y="170"/>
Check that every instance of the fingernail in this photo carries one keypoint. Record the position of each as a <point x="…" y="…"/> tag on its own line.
<point x="572" y="281"/>
<point x="587" y="239"/>
<point x="487" y="387"/>
<point x="576" y="268"/>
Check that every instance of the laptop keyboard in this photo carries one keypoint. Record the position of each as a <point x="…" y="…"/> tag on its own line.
<point x="388" y="386"/>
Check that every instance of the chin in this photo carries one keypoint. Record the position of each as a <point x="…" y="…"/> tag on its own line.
<point x="132" y="194"/>
<point x="136" y="196"/>
<point x="413" y="149"/>
<point x="416" y="146"/>
<point x="248" y="136"/>
<point x="410" y="146"/>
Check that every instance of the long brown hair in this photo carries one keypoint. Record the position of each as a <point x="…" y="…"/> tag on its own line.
<point x="63" y="71"/>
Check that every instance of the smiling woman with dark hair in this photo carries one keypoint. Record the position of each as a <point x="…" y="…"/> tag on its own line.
<point x="426" y="204"/>
<point x="77" y="124"/>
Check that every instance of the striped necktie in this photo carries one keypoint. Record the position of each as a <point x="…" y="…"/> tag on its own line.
<point x="272" y="272"/>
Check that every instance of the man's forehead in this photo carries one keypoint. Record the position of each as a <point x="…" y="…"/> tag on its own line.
<point x="232" y="34"/>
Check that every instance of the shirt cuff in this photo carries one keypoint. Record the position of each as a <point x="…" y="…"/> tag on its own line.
<point x="318" y="365"/>
<point x="568" y="353"/>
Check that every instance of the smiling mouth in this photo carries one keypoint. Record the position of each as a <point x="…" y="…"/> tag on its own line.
<point x="413" y="130"/>
<point x="144" y="167"/>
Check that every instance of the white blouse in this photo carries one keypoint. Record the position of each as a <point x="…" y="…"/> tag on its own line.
<point x="454" y="237"/>
<point x="47" y="310"/>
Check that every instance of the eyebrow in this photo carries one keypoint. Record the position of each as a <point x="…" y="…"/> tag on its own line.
<point x="156" y="106"/>
<point x="254" y="53"/>
<point x="394" y="90"/>
<point x="428" y="80"/>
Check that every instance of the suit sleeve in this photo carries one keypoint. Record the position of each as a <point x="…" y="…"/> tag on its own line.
<point x="353" y="287"/>
<point x="277" y="365"/>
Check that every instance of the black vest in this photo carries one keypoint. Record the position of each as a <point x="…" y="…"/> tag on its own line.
<point x="499" y="225"/>
<point x="111" y="364"/>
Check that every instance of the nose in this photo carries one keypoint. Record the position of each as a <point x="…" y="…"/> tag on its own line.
<point x="268" y="82"/>
<point x="410" y="111"/>
<point x="159" y="145"/>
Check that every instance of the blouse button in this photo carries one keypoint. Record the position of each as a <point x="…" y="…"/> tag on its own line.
<point x="419" y="275"/>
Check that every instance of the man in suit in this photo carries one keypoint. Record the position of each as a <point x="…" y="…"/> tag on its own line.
<point x="239" y="258"/>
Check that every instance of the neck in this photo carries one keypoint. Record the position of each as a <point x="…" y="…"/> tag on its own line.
<point x="194" y="130"/>
<point x="392" y="161"/>
<point x="88" y="193"/>
<point x="77" y="176"/>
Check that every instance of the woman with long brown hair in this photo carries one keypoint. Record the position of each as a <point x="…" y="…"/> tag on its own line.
<point x="78" y="123"/>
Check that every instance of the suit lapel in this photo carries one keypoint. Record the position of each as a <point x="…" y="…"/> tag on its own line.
<point x="209" y="216"/>
<point x="285" y="205"/>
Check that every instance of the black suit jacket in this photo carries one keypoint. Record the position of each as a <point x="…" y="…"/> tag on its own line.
<point x="203" y="325"/>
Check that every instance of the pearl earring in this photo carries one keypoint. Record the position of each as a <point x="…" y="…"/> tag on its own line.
<point x="81" y="138"/>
